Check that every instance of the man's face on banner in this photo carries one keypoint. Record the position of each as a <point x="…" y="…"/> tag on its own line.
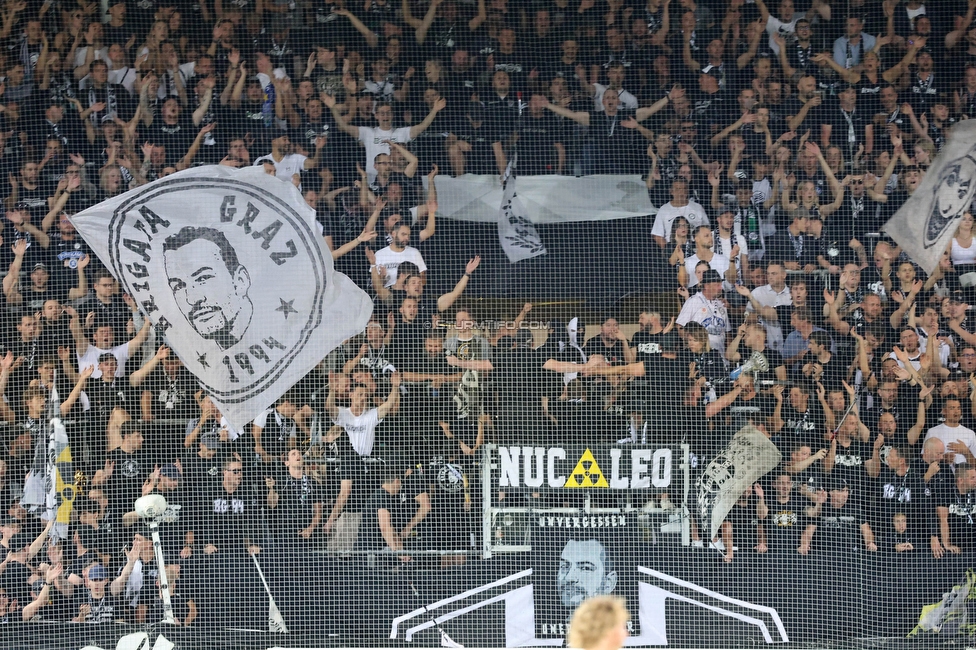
<point x="211" y="297"/>
<point x="583" y="572"/>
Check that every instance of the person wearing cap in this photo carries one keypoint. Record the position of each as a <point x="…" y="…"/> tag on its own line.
<point x="99" y="601"/>
<point x="710" y="103"/>
<point x="706" y="309"/>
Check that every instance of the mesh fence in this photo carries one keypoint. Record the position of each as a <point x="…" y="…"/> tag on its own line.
<point x="686" y="362"/>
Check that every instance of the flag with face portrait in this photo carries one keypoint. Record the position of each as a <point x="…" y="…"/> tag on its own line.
<point x="925" y="224"/>
<point x="231" y="268"/>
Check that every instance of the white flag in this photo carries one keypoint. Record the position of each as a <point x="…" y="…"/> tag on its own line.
<point x="749" y="456"/>
<point x="231" y="268"/>
<point x="518" y="237"/>
<point x="925" y="224"/>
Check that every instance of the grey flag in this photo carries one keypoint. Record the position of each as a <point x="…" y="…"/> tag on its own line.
<point x="748" y="456"/>
<point x="232" y="269"/>
<point x="517" y="235"/>
<point x="925" y="224"/>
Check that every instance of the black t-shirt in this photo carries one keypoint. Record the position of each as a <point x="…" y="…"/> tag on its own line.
<point x="201" y="474"/>
<point x="228" y="520"/>
<point x="401" y="508"/>
<point x="129" y="473"/>
<point x="785" y="523"/>
<point x="537" y="155"/>
<point x="296" y="498"/>
<point x="106" y="609"/>
<point x="807" y="428"/>
<point x="613" y="354"/>
<point x="106" y="396"/>
<point x="849" y="464"/>
<point x="962" y="510"/>
<point x="650" y="349"/>
<point x="177" y="138"/>
<point x="905" y="494"/>
<point x="840" y="528"/>
<point x="172" y="396"/>
<point x="407" y="346"/>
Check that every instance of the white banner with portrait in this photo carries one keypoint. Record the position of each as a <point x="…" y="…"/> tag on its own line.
<point x="231" y="268"/>
<point x="927" y="221"/>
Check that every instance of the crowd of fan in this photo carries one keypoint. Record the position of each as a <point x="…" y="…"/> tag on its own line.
<point x="775" y="142"/>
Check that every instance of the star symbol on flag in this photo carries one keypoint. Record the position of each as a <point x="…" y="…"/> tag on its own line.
<point x="286" y="307"/>
<point x="202" y="360"/>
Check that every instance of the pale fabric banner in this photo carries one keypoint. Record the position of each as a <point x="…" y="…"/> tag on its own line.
<point x="230" y="266"/>
<point x="546" y="199"/>
<point x="925" y="224"/>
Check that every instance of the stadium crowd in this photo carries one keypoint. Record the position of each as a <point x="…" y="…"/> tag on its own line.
<point x="775" y="142"/>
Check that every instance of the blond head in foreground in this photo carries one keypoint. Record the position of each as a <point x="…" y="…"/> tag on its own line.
<point x="599" y="623"/>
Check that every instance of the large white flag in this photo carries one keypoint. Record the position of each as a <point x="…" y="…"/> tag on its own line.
<point x="230" y="266"/>
<point x="925" y="224"/>
<point x="518" y="237"/>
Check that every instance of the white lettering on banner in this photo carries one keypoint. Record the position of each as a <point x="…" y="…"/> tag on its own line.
<point x="532" y="467"/>
<point x="582" y="521"/>
<point x="554" y="480"/>
<point x="230" y="267"/>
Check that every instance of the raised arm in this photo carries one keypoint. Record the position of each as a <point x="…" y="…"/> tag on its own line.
<point x="445" y="301"/>
<point x="350" y="130"/>
<point x="393" y="399"/>
<point x="438" y="106"/>
<point x="581" y="117"/>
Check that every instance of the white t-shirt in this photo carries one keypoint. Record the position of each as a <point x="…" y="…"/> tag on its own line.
<point x="949" y="434"/>
<point x="667" y="213"/>
<point x="372" y="138"/>
<point x="290" y="165"/>
<point x="361" y="429"/>
<point x="775" y="25"/>
<point x="768" y="297"/>
<point x="90" y="358"/>
<point x="391" y="261"/>
<point x="719" y="262"/>
<point x="710" y="314"/>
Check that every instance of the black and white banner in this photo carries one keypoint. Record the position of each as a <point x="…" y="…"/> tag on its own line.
<point x="231" y="268"/>
<point x="925" y="224"/>
<point x="748" y="457"/>
<point x="516" y="234"/>
<point x="573" y="564"/>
